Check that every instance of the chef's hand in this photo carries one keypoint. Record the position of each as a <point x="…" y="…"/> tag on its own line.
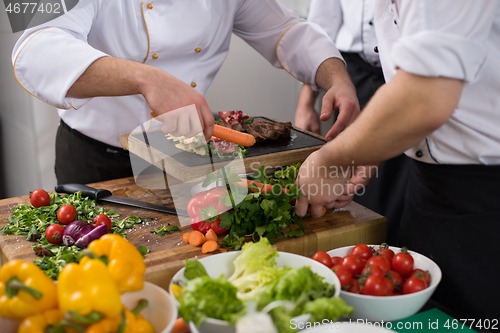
<point x="168" y="96"/>
<point x="305" y="115"/>
<point x="340" y="95"/>
<point x="360" y="178"/>
<point x="321" y="184"/>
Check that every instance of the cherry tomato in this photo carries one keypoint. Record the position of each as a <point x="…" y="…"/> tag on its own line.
<point x="324" y="258"/>
<point x="344" y="275"/>
<point x="336" y="260"/>
<point x="372" y="270"/>
<point x="195" y="205"/>
<point x="403" y="263"/>
<point x="54" y="233"/>
<point x="413" y="284"/>
<point x="379" y="261"/>
<point x="396" y="279"/>
<point x="354" y="286"/>
<point x="423" y="275"/>
<point x="39" y="198"/>
<point x="385" y="252"/>
<point x="362" y="251"/>
<point x="212" y="198"/>
<point x="390" y="286"/>
<point x="375" y="286"/>
<point x="353" y="263"/>
<point x="102" y="219"/>
<point x="66" y="214"/>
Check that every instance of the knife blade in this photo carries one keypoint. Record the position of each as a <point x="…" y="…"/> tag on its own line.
<point x="105" y="195"/>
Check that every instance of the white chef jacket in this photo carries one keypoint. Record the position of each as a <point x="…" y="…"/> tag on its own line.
<point x="188" y="39"/>
<point x="350" y="24"/>
<point x="458" y="39"/>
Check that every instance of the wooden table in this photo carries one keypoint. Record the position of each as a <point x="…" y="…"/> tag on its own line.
<point x="350" y="225"/>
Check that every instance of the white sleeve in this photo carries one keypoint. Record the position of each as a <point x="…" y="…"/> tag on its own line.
<point x="49" y="58"/>
<point x="328" y="15"/>
<point x="285" y="40"/>
<point x="444" y="37"/>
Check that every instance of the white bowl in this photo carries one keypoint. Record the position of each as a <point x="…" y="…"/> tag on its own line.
<point x="223" y="264"/>
<point x="390" y="308"/>
<point x="161" y="311"/>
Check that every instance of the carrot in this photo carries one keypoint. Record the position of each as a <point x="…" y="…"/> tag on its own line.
<point x="211" y="235"/>
<point x="324" y="211"/>
<point x="180" y="326"/>
<point x="185" y="237"/>
<point x="210" y="246"/>
<point x="223" y="250"/>
<point x="230" y="135"/>
<point x="196" y="238"/>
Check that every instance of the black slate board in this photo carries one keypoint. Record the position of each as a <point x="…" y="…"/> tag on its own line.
<point x="297" y="140"/>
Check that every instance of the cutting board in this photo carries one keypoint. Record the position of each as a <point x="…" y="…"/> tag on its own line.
<point x="153" y="147"/>
<point x="350" y="225"/>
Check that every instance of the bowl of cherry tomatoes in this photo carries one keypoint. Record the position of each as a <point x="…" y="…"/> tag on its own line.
<point x="382" y="282"/>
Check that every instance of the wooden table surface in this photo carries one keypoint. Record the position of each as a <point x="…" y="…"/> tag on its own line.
<point x="348" y="226"/>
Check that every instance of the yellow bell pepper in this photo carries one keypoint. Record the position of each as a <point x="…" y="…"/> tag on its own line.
<point x="125" y="262"/>
<point x="87" y="289"/>
<point x="128" y="322"/>
<point x="48" y="321"/>
<point x="25" y="290"/>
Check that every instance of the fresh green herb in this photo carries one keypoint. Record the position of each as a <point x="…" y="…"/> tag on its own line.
<point x="144" y="250"/>
<point x="165" y="230"/>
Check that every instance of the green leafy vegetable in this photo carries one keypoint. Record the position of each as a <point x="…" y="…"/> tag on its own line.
<point x="143" y="250"/>
<point x="194" y="269"/>
<point x="165" y="230"/>
<point x="254" y="257"/>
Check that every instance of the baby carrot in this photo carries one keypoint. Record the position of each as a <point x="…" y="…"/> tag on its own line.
<point x="210" y="246"/>
<point x="230" y="135"/>
<point x="196" y="238"/>
<point x="185" y="237"/>
<point x="211" y="235"/>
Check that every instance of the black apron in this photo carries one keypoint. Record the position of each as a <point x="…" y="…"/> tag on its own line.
<point x="452" y="215"/>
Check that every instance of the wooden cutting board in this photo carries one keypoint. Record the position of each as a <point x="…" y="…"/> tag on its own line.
<point x="153" y="147"/>
<point x="350" y="225"/>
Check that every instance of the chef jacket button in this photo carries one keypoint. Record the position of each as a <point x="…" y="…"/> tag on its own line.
<point x="370" y="23"/>
<point x="375" y="49"/>
<point x="150" y="6"/>
<point x="197" y="50"/>
<point x="155" y="56"/>
<point x="193" y="84"/>
<point x="419" y="153"/>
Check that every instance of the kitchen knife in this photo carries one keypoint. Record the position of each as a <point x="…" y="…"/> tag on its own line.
<point x="105" y="195"/>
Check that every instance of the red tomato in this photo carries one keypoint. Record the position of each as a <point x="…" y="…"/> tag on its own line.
<point x="102" y="219"/>
<point x="362" y="251"/>
<point x="39" y="198"/>
<point x="354" y="286"/>
<point x="385" y="252"/>
<point x="422" y="275"/>
<point x="324" y="258"/>
<point x="390" y="286"/>
<point x="403" y="263"/>
<point x="66" y="214"/>
<point x="375" y="286"/>
<point x="344" y="275"/>
<point x="396" y="279"/>
<point x="372" y="270"/>
<point x="212" y="198"/>
<point x="195" y="205"/>
<point x="353" y="263"/>
<point x="54" y="233"/>
<point x="379" y="261"/>
<point x="336" y="260"/>
<point x="413" y="284"/>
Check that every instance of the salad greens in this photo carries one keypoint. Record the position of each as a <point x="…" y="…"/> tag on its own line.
<point x="258" y="281"/>
<point x="32" y="222"/>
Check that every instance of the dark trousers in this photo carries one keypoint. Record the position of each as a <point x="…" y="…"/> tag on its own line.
<point x="452" y="215"/>
<point x="81" y="159"/>
<point x="385" y="192"/>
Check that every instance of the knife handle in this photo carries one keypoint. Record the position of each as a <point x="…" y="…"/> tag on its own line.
<point x="87" y="191"/>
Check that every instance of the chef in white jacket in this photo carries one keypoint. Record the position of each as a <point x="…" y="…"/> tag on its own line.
<point x="107" y="64"/>
<point x="441" y="60"/>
